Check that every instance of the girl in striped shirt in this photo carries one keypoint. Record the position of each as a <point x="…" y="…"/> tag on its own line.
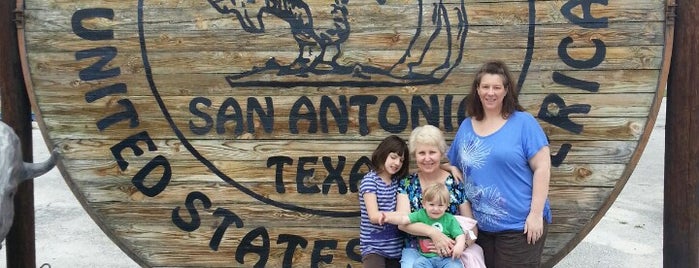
<point x="381" y="245"/>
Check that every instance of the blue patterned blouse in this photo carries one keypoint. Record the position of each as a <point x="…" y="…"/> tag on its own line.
<point x="411" y="186"/>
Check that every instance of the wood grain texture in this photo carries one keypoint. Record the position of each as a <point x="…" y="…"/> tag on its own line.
<point x="195" y="141"/>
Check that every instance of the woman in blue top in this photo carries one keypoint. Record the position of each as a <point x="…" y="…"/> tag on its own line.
<point x="381" y="245"/>
<point x="505" y="159"/>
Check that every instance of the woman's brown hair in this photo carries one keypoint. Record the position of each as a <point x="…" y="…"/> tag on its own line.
<point x="510" y="103"/>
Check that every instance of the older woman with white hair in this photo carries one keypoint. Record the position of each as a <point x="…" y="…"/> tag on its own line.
<point x="427" y="146"/>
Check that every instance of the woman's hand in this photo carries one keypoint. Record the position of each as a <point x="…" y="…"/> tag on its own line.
<point x="443" y="245"/>
<point x="541" y="166"/>
<point x="382" y="218"/>
<point x="458" y="250"/>
<point x="455" y="171"/>
<point x="534" y="227"/>
<point x="426" y="245"/>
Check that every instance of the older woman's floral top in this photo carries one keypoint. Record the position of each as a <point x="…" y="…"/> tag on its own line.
<point x="411" y="186"/>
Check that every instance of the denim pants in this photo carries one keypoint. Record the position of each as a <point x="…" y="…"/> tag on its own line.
<point x="412" y="258"/>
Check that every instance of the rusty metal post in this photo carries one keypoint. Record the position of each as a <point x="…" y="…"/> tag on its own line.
<point x="681" y="208"/>
<point x="16" y="112"/>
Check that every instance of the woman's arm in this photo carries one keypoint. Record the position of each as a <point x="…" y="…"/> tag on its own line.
<point x="455" y="171"/>
<point x="465" y="210"/>
<point x="394" y="218"/>
<point x="541" y="166"/>
<point x="459" y="248"/>
<point x="440" y="240"/>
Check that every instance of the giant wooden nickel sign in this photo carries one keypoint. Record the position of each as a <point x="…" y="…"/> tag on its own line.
<point x="235" y="132"/>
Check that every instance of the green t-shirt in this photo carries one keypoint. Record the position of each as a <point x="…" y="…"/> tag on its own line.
<point x="447" y="224"/>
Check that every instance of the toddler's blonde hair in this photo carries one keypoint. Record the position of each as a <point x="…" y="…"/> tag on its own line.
<point x="436" y="192"/>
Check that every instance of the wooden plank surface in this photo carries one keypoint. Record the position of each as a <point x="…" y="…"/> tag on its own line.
<point x="195" y="142"/>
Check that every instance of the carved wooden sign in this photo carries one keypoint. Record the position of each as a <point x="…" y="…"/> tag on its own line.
<point x="235" y="132"/>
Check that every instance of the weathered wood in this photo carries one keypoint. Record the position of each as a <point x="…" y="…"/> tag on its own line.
<point x="595" y="129"/>
<point x="603" y="175"/>
<point x="185" y="68"/>
<point x="593" y="152"/>
<point x="369" y="38"/>
<point x="70" y="87"/>
<point x="640" y="57"/>
<point x="118" y="189"/>
<point x="602" y="105"/>
<point x="199" y="15"/>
